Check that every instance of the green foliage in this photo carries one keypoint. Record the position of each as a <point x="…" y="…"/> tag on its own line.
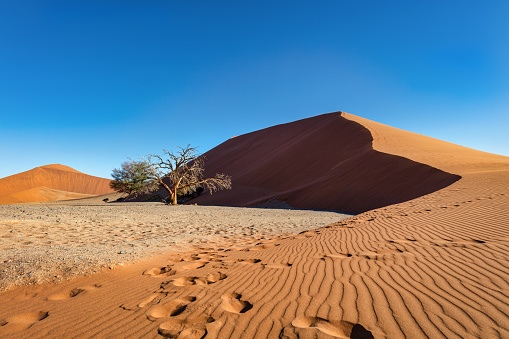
<point x="132" y="178"/>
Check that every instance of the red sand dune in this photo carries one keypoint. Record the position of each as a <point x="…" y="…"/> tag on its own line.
<point x="330" y="162"/>
<point x="42" y="183"/>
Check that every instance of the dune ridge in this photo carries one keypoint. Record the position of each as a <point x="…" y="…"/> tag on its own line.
<point x="436" y="266"/>
<point x="22" y="187"/>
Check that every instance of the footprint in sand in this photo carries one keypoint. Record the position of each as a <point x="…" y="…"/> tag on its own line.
<point x="339" y="329"/>
<point x="21" y="321"/>
<point x="148" y="300"/>
<point x="194" y="265"/>
<point x="173" y="308"/>
<point x="232" y="303"/>
<point x="184" y="281"/>
<point x="66" y="295"/>
<point x="186" y="328"/>
<point x="160" y="272"/>
<point x="189" y="281"/>
<point x="74" y="292"/>
<point x="215" y="277"/>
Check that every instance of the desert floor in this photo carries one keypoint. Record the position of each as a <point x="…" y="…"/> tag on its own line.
<point x="50" y="242"/>
<point x="432" y="267"/>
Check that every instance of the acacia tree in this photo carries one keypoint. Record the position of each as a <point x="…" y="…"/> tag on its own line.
<point x="131" y="178"/>
<point x="178" y="172"/>
<point x="181" y="171"/>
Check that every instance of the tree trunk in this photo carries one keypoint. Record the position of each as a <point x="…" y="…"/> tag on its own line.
<point x="174" y="197"/>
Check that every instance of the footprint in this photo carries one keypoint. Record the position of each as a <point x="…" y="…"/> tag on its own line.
<point x="193" y="333"/>
<point x="184" y="281"/>
<point x="215" y="277"/>
<point x="173" y="308"/>
<point x="148" y="300"/>
<point x="340" y="329"/>
<point x="195" y="265"/>
<point x="21" y="321"/>
<point x="185" y="328"/>
<point x="160" y="271"/>
<point x="66" y="295"/>
<point x="232" y="303"/>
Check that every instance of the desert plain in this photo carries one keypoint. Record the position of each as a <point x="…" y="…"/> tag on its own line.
<point x="421" y="249"/>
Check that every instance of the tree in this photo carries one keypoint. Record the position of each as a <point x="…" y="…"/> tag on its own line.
<point x="181" y="171"/>
<point x="132" y="178"/>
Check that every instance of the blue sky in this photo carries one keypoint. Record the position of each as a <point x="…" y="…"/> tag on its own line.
<point x="89" y="83"/>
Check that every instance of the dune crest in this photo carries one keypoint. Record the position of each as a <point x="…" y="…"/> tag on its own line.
<point x="49" y="183"/>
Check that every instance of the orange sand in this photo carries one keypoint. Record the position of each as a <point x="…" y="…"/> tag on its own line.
<point x="435" y="266"/>
<point x="50" y="183"/>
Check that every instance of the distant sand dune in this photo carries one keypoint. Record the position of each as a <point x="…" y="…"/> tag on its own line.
<point x="43" y="183"/>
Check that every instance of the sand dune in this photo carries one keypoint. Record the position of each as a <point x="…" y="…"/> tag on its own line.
<point x="436" y="266"/>
<point x="325" y="162"/>
<point x="37" y="185"/>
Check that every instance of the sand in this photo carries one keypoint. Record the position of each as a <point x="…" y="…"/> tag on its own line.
<point x="432" y="266"/>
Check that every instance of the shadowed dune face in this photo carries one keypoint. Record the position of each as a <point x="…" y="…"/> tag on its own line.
<point x="325" y="162"/>
<point x="51" y="182"/>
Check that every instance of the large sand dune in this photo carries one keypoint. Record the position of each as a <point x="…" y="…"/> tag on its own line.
<point x="326" y="162"/>
<point x="50" y="182"/>
<point x="435" y="266"/>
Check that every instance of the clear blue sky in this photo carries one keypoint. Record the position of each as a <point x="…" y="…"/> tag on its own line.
<point x="89" y="83"/>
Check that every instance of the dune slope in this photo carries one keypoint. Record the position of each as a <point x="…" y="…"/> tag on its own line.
<point x="326" y="162"/>
<point x="55" y="177"/>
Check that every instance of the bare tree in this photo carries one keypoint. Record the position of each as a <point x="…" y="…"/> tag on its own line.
<point x="181" y="171"/>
